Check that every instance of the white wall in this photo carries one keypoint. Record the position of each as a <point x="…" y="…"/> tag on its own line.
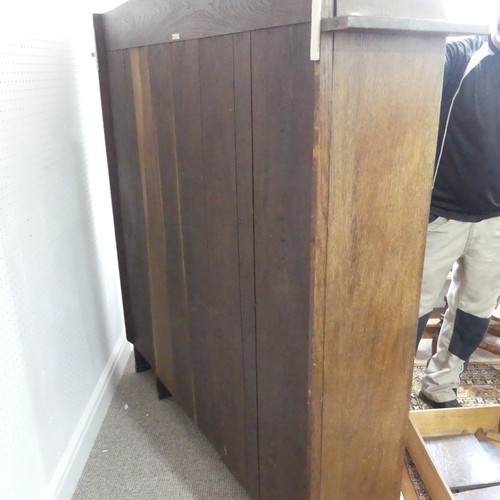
<point x="62" y="344"/>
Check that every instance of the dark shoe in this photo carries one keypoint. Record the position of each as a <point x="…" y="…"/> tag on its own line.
<point x="434" y="404"/>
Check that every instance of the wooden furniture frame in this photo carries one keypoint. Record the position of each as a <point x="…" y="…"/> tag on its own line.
<point x="446" y="422"/>
<point x="268" y="209"/>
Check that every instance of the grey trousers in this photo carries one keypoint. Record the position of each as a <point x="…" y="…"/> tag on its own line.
<point x="472" y="251"/>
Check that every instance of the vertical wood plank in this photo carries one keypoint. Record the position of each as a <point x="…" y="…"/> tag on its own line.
<point x="162" y="101"/>
<point x="244" y="189"/>
<point x="186" y="87"/>
<point x="383" y="143"/>
<point x="283" y="93"/>
<point x="218" y="135"/>
<point x="320" y="193"/>
<point x="127" y="185"/>
<point x="153" y="209"/>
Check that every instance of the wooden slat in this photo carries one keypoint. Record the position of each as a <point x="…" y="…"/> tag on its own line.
<point x="433" y="481"/>
<point x="407" y="489"/>
<point x="126" y="185"/>
<point x="163" y="110"/>
<point x="320" y="187"/>
<point x="186" y="84"/>
<point x="153" y="209"/>
<point x="383" y="145"/>
<point x="448" y="421"/>
<point x="283" y="93"/>
<point x="148" y="22"/>
<point x="244" y="188"/>
<point x="218" y="139"/>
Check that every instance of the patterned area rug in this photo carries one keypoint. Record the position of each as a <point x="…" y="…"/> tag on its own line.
<point x="480" y="386"/>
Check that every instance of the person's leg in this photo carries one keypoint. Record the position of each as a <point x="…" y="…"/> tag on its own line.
<point x="445" y="243"/>
<point x="471" y="298"/>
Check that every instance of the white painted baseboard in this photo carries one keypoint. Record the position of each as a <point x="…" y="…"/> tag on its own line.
<point x="70" y="468"/>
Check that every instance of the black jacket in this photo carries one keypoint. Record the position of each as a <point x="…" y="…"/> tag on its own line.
<point x="467" y="176"/>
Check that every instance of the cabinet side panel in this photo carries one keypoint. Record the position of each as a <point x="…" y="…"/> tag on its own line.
<point x="384" y="129"/>
<point x="283" y="109"/>
<point x="128" y="182"/>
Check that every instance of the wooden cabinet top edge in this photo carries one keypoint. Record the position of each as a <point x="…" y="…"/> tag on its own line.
<point x="151" y="22"/>
<point x="427" y="26"/>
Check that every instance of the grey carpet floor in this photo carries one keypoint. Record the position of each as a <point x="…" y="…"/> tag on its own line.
<point x="148" y="449"/>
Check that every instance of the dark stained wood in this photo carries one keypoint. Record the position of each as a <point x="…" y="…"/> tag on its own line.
<point x="244" y="190"/>
<point x="186" y="87"/>
<point x="163" y="109"/>
<point x="273" y="218"/>
<point x="384" y="125"/>
<point x="107" y="117"/>
<point x="154" y="217"/>
<point x="126" y="189"/>
<point x="141" y="364"/>
<point x="283" y="93"/>
<point x="148" y="22"/>
<point x="218" y="138"/>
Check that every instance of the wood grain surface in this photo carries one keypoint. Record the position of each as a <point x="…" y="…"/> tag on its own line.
<point x="283" y="113"/>
<point x="154" y="218"/>
<point x="159" y="61"/>
<point x="433" y="423"/>
<point x="148" y="22"/>
<point x="244" y="189"/>
<point x="383" y="144"/>
<point x="126" y="184"/>
<point x="319" y="232"/>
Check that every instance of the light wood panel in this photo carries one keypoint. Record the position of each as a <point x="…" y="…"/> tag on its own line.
<point x="383" y="143"/>
<point x="319" y="232"/>
<point x="433" y="480"/>
<point x="456" y="420"/>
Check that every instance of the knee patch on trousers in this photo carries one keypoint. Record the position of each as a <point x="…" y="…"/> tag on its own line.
<point x="468" y="332"/>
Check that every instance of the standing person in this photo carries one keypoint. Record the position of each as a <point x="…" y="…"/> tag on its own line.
<point x="464" y="227"/>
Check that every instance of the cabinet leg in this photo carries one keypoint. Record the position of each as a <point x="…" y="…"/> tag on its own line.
<point x="163" y="392"/>
<point x="141" y="365"/>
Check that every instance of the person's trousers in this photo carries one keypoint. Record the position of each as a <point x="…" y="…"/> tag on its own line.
<point x="472" y="251"/>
